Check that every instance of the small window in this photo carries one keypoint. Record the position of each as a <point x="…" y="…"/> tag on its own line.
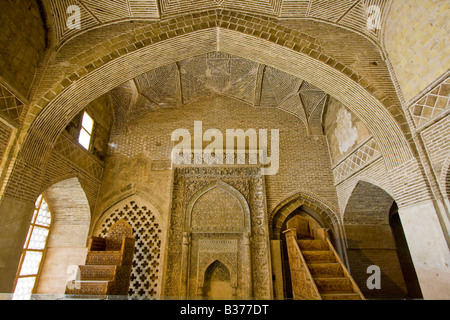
<point x="33" y="251"/>
<point x="87" y="125"/>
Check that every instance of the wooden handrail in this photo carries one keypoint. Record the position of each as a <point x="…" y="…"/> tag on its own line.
<point x="346" y="273"/>
<point x="303" y="285"/>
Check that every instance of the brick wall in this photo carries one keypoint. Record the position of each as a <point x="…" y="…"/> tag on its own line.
<point x="304" y="161"/>
<point x="22" y="43"/>
<point x="415" y="34"/>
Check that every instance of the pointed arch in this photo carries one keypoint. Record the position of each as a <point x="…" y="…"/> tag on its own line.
<point x="217" y="281"/>
<point x="213" y="260"/>
<point x="362" y="98"/>
<point x="367" y="201"/>
<point x="71" y="213"/>
<point x="118" y="201"/>
<point x="233" y="192"/>
<point x="370" y="240"/>
<point x="363" y="179"/>
<point x="216" y="261"/>
<point x="322" y="211"/>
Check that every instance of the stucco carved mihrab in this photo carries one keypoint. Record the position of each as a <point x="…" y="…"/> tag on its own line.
<point x="218" y="214"/>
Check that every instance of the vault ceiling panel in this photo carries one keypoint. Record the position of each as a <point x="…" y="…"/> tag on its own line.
<point x="277" y="85"/>
<point x="218" y="73"/>
<point x="144" y="8"/>
<point x="357" y="18"/>
<point x="224" y="74"/>
<point x="124" y="96"/>
<point x="311" y="99"/>
<point x="243" y="79"/>
<point x="173" y="7"/>
<point x="294" y="105"/>
<point x="158" y="85"/>
<point x="108" y="10"/>
<point x="330" y="9"/>
<point x="294" y="8"/>
<point x="58" y="9"/>
<point x="351" y="14"/>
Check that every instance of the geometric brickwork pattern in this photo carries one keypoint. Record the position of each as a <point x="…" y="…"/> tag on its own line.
<point x="365" y="154"/>
<point x="66" y="148"/>
<point x="307" y="103"/>
<point x="157" y="87"/>
<point x="447" y="184"/>
<point x="170" y="7"/>
<point x="351" y="14"/>
<point x="97" y="12"/>
<point x="219" y="73"/>
<point x="146" y="269"/>
<point x="10" y="105"/>
<point x="214" y="22"/>
<point x="431" y="105"/>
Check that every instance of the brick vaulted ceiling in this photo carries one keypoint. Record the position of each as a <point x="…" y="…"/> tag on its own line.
<point x="87" y="65"/>
<point x="183" y="82"/>
<point x="103" y="20"/>
<point x="349" y="14"/>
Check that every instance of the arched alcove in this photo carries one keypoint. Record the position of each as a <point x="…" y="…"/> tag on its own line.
<point x="371" y="241"/>
<point x="305" y="221"/>
<point x="217" y="281"/>
<point x="314" y="215"/>
<point x="218" y="208"/>
<point x="66" y="247"/>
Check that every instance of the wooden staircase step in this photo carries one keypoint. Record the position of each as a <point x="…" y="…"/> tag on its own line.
<point x="88" y="287"/>
<point x="318" y="256"/>
<point x="311" y="245"/>
<point x="341" y="296"/>
<point x="97" y="272"/>
<point x="103" y="258"/>
<point x="326" y="270"/>
<point x="334" y="285"/>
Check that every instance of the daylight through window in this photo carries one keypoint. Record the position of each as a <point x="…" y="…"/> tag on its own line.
<point x="87" y="126"/>
<point x="33" y="251"/>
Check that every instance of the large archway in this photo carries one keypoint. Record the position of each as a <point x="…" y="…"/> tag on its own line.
<point x="74" y="94"/>
<point x="373" y="240"/>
